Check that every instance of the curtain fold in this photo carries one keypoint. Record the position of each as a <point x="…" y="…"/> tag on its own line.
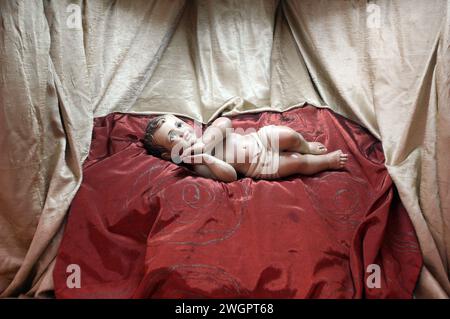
<point x="384" y="64"/>
<point x="124" y="43"/>
<point x="33" y="145"/>
<point x="221" y="49"/>
<point x="378" y="63"/>
<point x="57" y="74"/>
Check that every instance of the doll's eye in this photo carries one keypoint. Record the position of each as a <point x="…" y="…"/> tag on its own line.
<point x="179" y="124"/>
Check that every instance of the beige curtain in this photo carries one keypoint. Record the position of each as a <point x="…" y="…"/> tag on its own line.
<point x="56" y="75"/>
<point x="381" y="64"/>
<point x="384" y="64"/>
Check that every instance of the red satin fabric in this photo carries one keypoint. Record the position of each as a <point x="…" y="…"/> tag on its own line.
<point x="145" y="228"/>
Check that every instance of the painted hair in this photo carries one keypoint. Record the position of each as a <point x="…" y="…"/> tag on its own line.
<point x="149" y="138"/>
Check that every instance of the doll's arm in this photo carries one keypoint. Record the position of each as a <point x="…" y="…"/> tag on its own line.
<point x="216" y="132"/>
<point x="213" y="135"/>
<point x="212" y="167"/>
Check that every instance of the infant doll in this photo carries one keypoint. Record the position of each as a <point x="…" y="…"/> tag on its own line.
<point x="272" y="152"/>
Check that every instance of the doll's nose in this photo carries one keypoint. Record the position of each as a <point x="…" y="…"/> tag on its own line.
<point x="179" y="133"/>
<point x="185" y="134"/>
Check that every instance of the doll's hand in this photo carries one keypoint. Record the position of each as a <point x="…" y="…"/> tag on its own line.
<point x="195" y="149"/>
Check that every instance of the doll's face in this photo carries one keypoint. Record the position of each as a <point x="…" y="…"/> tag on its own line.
<point x="174" y="132"/>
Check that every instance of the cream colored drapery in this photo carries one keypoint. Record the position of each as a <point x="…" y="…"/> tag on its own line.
<point x="384" y="64"/>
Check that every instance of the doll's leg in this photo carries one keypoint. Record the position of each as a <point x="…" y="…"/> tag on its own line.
<point x="290" y="140"/>
<point x="291" y="163"/>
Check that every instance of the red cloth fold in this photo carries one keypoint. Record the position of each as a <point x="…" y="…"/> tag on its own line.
<point x="142" y="227"/>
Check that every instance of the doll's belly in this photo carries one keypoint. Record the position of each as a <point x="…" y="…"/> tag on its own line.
<point x="238" y="150"/>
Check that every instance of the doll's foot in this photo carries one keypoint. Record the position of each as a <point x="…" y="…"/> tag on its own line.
<point x="337" y="159"/>
<point x="316" y="148"/>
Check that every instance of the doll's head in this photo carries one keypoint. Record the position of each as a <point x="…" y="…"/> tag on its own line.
<point x="164" y="133"/>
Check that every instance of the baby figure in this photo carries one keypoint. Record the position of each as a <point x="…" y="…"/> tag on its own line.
<point x="272" y="152"/>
